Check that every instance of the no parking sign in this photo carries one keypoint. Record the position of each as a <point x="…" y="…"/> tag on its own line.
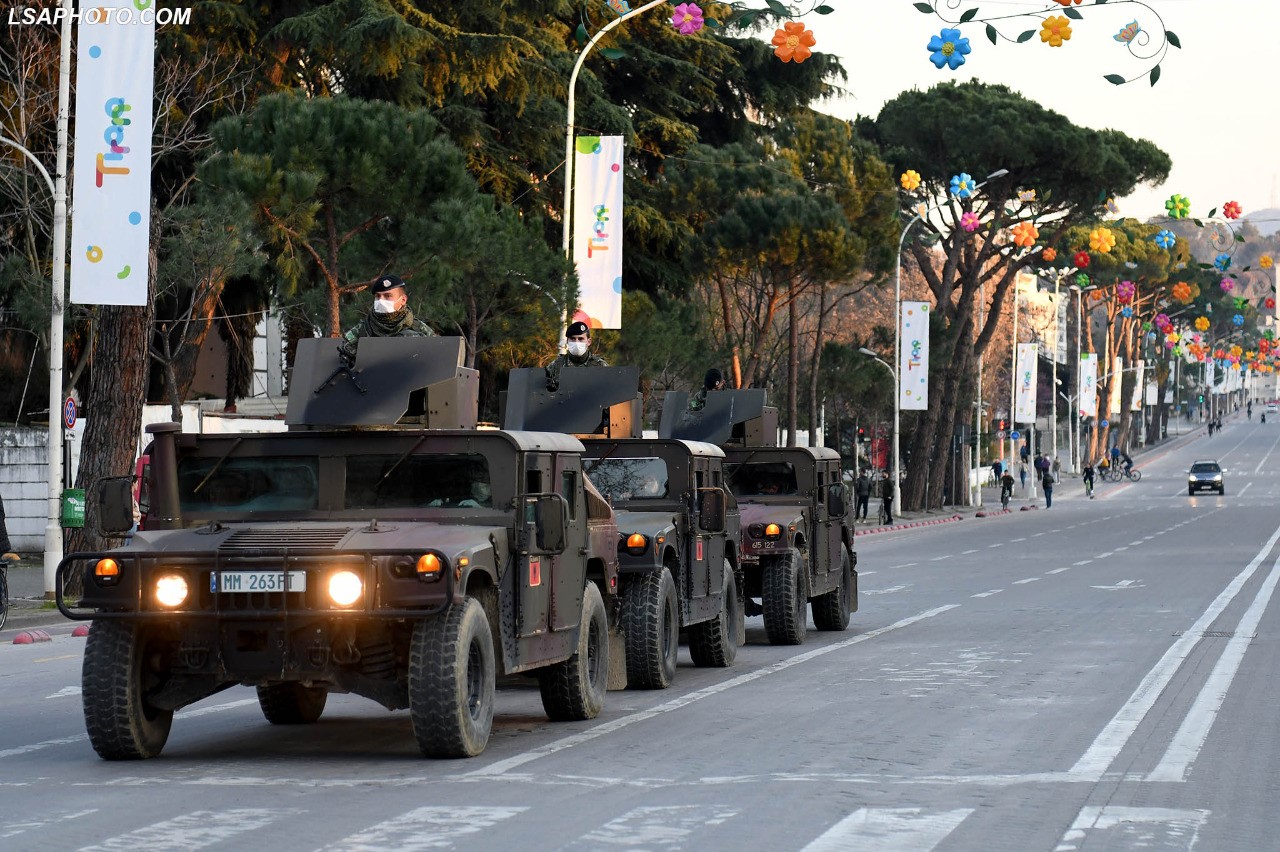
<point x="69" y="413"/>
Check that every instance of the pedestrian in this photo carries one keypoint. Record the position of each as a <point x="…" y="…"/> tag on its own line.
<point x="862" y="493"/>
<point x="886" y="496"/>
<point x="6" y="548"/>
<point x="1025" y="453"/>
<point x="1057" y="469"/>
<point x="1046" y="482"/>
<point x="1087" y="476"/>
<point x="389" y="316"/>
<point x="578" y="341"/>
<point x="1022" y="475"/>
<point x="996" y="469"/>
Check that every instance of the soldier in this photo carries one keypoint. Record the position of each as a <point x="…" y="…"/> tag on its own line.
<point x="389" y="317"/>
<point x="714" y="380"/>
<point x="578" y="338"/>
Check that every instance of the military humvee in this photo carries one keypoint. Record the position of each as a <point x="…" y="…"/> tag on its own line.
<point x="678" y="527"/>
<point x="408" y="564"/>
<point x="797" y="543"/>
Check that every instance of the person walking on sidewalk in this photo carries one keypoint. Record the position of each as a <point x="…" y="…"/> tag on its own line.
<point x="886" y="496"/>
<point x="1057" y="469"/>
<point x="862" y="492"/>
<point x="1046" y="482"/>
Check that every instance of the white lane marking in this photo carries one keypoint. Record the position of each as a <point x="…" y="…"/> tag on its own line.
<point x="666" y="827"/>
<point x="503" y="766"/>
<point x="940" y="558"/>
<point x="13" y="827"/>
<point x="1082" y="562"/>
<point x="1258" y="469"/>
<point x="1135" y="543"/>
<point x="1246" y="488"/>
<point x="1001" y="544"/>
<point x="967" y="552"/>
<point x="865" y="573"/>
<point x="987" y="594"/>
<point x="1112" y="738"/>
<point x="1019" y="539"/>
<point x="1027" y="580"/>
<point x="1121" y="549"/>
<point x="905" y="565"/>
<point x="885" y="591"/>
<point x="188" y="714"/>
<point x="1104" y="555"/>
<point x="890" y="830"/>
<point x="431" y="827"/>
<point x="64" y="692"/>
<point x="1058" y="570"/>
<point x="1121" y="586"/>
<point x="1194" y="730"/>
<point x="1037" y="535"/>
<point x="195" y="830"/>
<point x="1134" y="828"/>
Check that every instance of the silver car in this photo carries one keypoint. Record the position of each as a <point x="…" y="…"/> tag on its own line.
<point x="1205" y="474"/>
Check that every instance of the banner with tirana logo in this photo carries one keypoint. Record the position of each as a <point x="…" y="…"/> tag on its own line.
<point x="913" y="357"/>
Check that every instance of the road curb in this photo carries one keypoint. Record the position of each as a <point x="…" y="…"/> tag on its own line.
<point x="30" y="637"/>
<point x="911" y="525"/>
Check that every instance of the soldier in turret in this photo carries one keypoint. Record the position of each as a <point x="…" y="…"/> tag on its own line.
<point x="578" y="338"/>
<point x="714" y="380"/>
<point x="389" y="316"/>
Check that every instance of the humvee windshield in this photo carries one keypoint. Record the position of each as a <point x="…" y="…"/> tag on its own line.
<point x="629" y="479"/>
<point x="395" y="481"/>
<point x="280" y="484"/>
<point x="753" y="479"/>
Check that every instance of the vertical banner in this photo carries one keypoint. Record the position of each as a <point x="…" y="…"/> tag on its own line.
<point x="1209" y="364"/>
<point x="1028" y="367"/>
<point x="1060" y="350"/>
<point x="1088" y="384"/>
<point x="1117" y="374"/>
<point x="1135" y="402"/>
<point x="913" y="357"/>
<point x="111" y="200"/>
<point x="597" y="229"/>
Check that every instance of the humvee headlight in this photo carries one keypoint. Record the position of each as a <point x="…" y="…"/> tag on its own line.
<point x="429" y="566"/>
<point x="106" y="572"/>
<point x="637" y="544"/>
<point x="345" y="587"/>
<point x="171" y="590"/>
<point x="772" y="531"/>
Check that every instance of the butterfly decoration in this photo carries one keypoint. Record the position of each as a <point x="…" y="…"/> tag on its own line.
<point x="1129" y="33"/>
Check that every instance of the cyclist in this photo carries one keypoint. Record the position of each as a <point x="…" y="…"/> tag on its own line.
<point x="1127" y="462"/>
<point x="1087" y="476"/>
<point x="1006" y="489"/>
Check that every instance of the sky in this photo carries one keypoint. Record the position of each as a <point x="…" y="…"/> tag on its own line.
<point x="1208" y="111"/>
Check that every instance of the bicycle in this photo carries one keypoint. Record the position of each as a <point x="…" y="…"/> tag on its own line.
<point x="4" y="591"/>
<point x="1133" y="474"/>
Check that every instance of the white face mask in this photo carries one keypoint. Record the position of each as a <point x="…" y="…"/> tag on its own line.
<point x="578" y="348"/>
<point x="384" y="306"/>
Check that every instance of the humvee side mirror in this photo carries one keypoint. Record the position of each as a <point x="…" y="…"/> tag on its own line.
<point x="835" y="502"/>
<point x="711" y="510"/>
<point x="550" y="512"/>
<point x="115" y="505"/>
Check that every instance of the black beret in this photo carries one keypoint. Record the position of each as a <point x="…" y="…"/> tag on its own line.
<point x="714" y="377"/>
<point x="576" y="328"/>
<point x="387" y="282"/>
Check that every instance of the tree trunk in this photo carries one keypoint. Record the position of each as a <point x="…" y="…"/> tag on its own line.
<point x="793" y="372"/>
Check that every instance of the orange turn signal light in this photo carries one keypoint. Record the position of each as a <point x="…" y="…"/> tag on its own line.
<point x="106" y="568"/>
<point x="772" y="531"/>
<point x="429" y="563"/>
<point x="636" y="541"/>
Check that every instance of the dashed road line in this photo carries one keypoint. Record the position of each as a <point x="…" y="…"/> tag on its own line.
<point x="1027" y="580"/>
<point x="987" y="594"/>
<point x="1058" y="570"/>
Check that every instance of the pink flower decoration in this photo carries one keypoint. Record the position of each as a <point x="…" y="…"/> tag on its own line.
<point x="969" y="221"/>
<point x="687" y="19"/>
<point x="1124" y="292"/>
<point x="1226" y="284"/>
<point x="1162" y="320"/>
<point x="1231" y="210"/>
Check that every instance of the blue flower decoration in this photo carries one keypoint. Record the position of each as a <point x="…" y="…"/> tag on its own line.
<point x="1165" y="239"/>
<point x="961" y="184"/>
<point x="1151" y="336"/>
<point x="1222" y="262"/>
<point x="1237" y="320"/>
<point x="947" y="48"/>
<point x="1126" y="312"/>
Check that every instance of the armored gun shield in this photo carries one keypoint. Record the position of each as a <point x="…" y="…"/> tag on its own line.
<point x="588" y="401"/>
<point x="727" y="417"/>
<point x="393" y="377"/>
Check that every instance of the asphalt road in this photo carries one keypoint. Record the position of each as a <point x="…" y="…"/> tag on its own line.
<point x="1097" y="676"/>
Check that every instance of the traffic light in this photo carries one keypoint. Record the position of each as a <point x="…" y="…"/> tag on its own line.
<point x="862" y="435"/>
<point x="1200" y="398"/>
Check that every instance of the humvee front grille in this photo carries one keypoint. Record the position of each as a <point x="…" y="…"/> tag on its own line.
<point x="278" y="539"/>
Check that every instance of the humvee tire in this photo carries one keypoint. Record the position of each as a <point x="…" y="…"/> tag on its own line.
<point x="574" y="690"/>
<point x="651" y="629"/>
<point x="831" y="610"/>
<point x="714" y="643"/>
<point x="292" y="703"/>
<point x="120" y="723"/>
<point x="784" y="599"/>
<point x="451" y="681"/>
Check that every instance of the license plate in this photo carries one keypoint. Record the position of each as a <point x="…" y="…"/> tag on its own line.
<point x="261" y="581"/>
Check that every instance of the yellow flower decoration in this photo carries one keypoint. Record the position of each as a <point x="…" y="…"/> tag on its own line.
<point x="1056" y="30"/>
<point x="910" y="180"/>
<point x="1236" y="350"/>
<point x="1102" y="240"/>
<point x="1202" y="323"/>
<point x="1265" y="261"/>
<point x="1025" y="234"/>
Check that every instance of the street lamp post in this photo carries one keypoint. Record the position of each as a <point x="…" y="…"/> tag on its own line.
<point x="892" y="372"/>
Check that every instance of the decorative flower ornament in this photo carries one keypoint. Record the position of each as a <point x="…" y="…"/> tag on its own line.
<point x="910" y="180"/>
<point x="1162" y="320"/>
<point x="1082" y="280"/>
<point x="1222" y="262"/>
<point x="1102" y="240"/>
<point x="792" y="42"/>
<point x="1266" y="262"/>
<point x="1081" y="259"/>
<point x="1056" y="30"/>
<point x="1097" y="295"/>
<point x="1027" y="196"/>
<point x="969" y="221"/>
<point x="1125" y="292"/>
<point x="1231" y="210"/>
<point x="687" y="19"/>
<point x="1182" y="291"/>
<point x="1146" y="326"/>
<point x="1269" y="303"/>
<point x="1025" y="234"/>
<point x="1226" y="284"/>
<point x="1049" y="255"/>
<point x="1202" y="323"/>
<point x="962" y="185"/>
<point x="1169" y="344"/>
<point x="1165" y="239"/>
<point x="1151" y="336"/>
<point x="1173" y="336"/>
<point x="1237" y="319"/>
<point x="948" y="48"/>
<point x="1066" y="2"/>
<point x="1178" y="206"/>
<point x="1126" y="312"/>
<point x="1240" y="303"/>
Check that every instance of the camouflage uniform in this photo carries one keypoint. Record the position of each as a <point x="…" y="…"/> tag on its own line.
<point x="374" y="326"/>
<point x="554" y="368"/>
<point x="698" y="399"/>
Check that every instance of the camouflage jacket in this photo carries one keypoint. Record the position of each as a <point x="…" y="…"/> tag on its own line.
<point x="370" y="327"/>
<point x="553" y="369"/>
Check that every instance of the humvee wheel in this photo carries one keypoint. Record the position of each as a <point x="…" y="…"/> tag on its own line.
<point x="784" y="600"/>
<point x="292" y="703"/>
<point x="574" y="690"/>
<point x="714" y="643"/>
<point x="831" y="610"/>
<point x="451" y="678"/>
<point x="116" y="678"/>
<point x="651" y="629"/>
